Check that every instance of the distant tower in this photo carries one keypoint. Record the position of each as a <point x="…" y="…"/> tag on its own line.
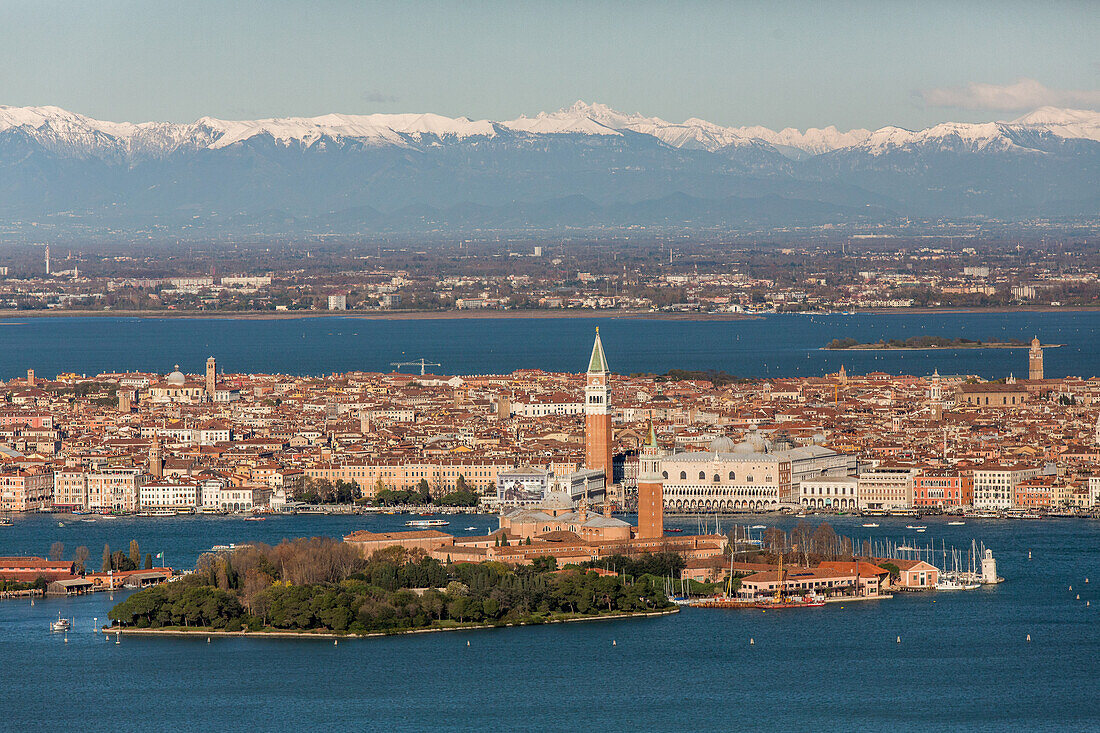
<point x="1035" y="360"/>
<point x="1098" y="429"/>
<point x="30" y="378"/>
<point x="842" y="375"/>
<point x="651" y="490"/>
<point x="156" y="464"/>
<point x="936" y="393"/>
<point x="47" y="258"/>
<point x="211" y="378"/>
<point x="124" y="401"/>
<point x="597" y="413"/>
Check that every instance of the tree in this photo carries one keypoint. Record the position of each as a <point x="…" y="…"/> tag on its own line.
<point x="424" y="491"/>
<point x="80" y="559"/>
<point x="460" y="484"/>
<point x="148" y="561"/>
<point x="135" y="553"/>
<point x="106" y="567"/>
<point x="57" y="551"/>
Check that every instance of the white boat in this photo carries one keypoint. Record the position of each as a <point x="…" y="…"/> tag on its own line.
<point x="921" y="529"/>
<point x="61" y="624"/>
<point x="906" y="548"/>
<point x="915" y="526"/>
<point x="759" y="526"/>
<point x="427" y="523"/>
<point x="470" y="529"/>
<point x="870" y="524"/>
<point x="956" y="524"/>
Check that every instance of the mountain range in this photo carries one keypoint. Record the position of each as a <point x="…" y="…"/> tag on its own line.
<point x="585" y="166"/>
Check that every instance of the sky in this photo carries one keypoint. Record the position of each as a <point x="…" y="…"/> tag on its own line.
<point x="777" y="64"/>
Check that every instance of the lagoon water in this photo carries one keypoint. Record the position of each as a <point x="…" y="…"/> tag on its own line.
<point x="963" y="662"/>
<point x="771" y="346"/>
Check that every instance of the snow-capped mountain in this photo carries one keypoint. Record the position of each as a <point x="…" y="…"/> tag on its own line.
<point x="600" y="166"/>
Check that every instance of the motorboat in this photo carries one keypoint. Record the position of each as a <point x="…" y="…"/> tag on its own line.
<point x="427" y="523"/>
<point x="871" y="524"/>
<point x="61" y="624"/>
<point x="956" y="524"/>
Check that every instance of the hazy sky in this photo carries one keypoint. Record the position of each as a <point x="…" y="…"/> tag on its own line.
<point x="857" y="64"/>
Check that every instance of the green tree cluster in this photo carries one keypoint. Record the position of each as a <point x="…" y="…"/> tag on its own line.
<point x="262" y="587"/>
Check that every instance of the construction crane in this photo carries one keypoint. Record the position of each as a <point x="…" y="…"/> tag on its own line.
<point x="419" y="362"/>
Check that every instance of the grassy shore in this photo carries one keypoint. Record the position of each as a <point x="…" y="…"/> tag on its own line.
<point x="270" y="633"/>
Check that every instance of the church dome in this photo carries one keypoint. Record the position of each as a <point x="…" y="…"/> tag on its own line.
<point x="754" y="442"/>
<point x="722" y="444"/>
<point x="557" y="500"/>
<point x="176" y="378"/>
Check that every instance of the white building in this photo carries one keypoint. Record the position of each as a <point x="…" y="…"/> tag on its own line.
<point x="829" y="493"/>
<point x="337" y="302"/>
<point x="995" y="486"/>
<point x="747" y="476"/>
<point x="174" y="496"/>
<point x="886" y="488"/>
<point x="218" y="497"/>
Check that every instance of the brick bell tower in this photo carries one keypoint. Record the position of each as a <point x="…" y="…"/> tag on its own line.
<point x="651" y="490"/>
<point x="597" y="413"/>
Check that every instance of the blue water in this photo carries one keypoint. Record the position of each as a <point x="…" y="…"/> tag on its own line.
<point x="773" y="346"/>
<point x="963" y="662"/>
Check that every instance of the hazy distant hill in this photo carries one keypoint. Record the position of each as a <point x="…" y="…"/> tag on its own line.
<point x="585" y="166"/>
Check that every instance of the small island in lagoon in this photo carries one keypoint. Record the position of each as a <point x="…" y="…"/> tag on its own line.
<point x="917" y="343"/>
<point x="320" y="586"/>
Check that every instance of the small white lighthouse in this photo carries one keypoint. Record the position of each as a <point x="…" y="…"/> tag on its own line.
<point x="989" y="568"/>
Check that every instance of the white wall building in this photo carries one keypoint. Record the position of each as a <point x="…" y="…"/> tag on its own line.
<point x="829" y="493"/>
<point x="995" y="486"/>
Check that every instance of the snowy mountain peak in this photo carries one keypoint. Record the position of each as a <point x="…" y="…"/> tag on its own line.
<point x="63" y="131"/>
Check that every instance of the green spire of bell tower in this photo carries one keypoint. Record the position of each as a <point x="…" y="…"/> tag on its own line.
<point x="598" y="363"/>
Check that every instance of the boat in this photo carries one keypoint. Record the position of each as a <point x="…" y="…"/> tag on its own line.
<point x="759" y="526"/>
<point x="906" y="548"/>
<point x="5" y="522"/>
<point x="921" y="530"/>
<point x="255" y="519"/>
<point x="427" y="523"/>
<point x="87" y="520"/>
<point x="915" y="526"/>
<point x="61" y="624"/>
<point x="871" y="524"/>
<point x="226" y="548"/>
<point x="674" y="530"/>
<point x="470" y="529"/>
<point x="956" y="524"/>
<point x="60" y="524"/>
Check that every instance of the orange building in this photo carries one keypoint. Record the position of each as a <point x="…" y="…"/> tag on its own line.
<point x="943" y="489"/>
<point x="597" y="413"/>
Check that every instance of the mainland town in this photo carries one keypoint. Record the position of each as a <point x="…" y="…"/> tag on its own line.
<point x="559" y="458"/>
<point x="676" y="275"/>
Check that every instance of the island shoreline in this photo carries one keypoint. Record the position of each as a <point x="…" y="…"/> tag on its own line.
<point x="134" y="631"/>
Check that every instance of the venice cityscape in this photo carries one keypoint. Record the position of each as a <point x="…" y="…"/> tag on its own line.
<point x="549" y="366"/>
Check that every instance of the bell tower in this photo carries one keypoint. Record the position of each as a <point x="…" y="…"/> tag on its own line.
<point x="651" y="490"/>
<point x="211" y="379"/>
<point x="156" y="463"/>
<point x="597" y="413"/>
<point x="1035" y="360"/>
